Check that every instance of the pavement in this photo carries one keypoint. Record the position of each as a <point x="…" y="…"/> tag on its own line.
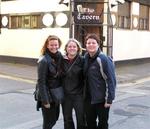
<point x="124" y="112"/>
<point x="128" y="72"/>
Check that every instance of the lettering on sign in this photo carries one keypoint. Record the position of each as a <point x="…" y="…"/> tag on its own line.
<point x="87" y="15"/>
<point x="87" y="18"/>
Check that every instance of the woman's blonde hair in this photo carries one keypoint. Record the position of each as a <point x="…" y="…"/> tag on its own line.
<point x="77" y="43"/>
<point x="49" y="38"/>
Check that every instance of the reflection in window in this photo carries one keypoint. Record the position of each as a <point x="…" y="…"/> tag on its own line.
<point x="143" y="18"/>
<point x="34" y="22"/>
<point x="124" y="22"/>
<point x="124" y="16"/>
<point x="25" y="21"/>
<point x="19" y="22"/>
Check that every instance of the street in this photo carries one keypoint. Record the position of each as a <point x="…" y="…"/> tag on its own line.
<point x="17" y="109"/>
<point x="130" y="109"/>
<point x="132" y="106"/>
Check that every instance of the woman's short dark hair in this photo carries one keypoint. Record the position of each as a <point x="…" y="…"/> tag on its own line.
<point x="92" y="36"/>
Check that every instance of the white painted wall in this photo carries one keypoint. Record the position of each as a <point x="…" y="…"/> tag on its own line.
<point x="28" y="42"/>
<point x="25" y="6"/>
<point x="131" y="44"/>
<point x="127" y="44"/>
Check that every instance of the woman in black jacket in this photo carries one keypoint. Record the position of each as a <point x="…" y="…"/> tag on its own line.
<point x="48" y="78"/>
<point x="100" y="93"/>
<point x="73" y="85"/>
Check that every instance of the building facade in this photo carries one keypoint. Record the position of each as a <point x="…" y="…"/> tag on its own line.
<point x="123" y="26"/>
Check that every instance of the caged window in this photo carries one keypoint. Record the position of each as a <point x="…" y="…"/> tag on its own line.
<point x="25" y="22"/>
<point x="143" y="17"/>
<point x="124" y="20"/>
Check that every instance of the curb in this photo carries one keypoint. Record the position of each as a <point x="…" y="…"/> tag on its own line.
<point x="33" y="81"/>
<point x="13" y="77"/>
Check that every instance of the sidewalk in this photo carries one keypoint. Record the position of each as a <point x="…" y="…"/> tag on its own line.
<point x="125" y="73"/>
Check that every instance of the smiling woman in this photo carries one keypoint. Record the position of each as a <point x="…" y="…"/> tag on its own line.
<point x="73" y="85"/>
<point x="49" y="73"/>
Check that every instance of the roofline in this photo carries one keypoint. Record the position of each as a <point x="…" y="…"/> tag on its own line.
<point x="145" y="2"/>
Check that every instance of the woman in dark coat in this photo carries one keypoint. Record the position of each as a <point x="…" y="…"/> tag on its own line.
<point x="100" y="92"/>
<point x="73" y="85"/>
<point x="48" y="78"/>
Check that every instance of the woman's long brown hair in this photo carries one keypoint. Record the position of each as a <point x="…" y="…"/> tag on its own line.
<point x="49" y="38"/>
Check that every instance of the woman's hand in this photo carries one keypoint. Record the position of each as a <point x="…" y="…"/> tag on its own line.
<point x="107" y="105"/>
<point x="47" y="105"/>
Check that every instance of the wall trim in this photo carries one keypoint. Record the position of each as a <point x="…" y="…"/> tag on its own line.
<point x="20" y="60"/>
<point x="132" y="62"/>
<point x="33" y="61"/>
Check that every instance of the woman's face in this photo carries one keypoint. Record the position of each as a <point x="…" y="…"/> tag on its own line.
<point x="53" y="46"/>
<point x="92" y="46"/>
<point x="72" y="48"/>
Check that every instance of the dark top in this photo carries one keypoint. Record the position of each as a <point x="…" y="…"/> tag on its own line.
<point x="97" y="89"/>
<point x="49" y="72"/>
<point x="73" y="78"/>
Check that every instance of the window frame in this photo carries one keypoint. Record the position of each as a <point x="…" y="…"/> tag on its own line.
<point x="144" y="20"/>
<point x="124" y="21"/>
<point x="25" y="21"/>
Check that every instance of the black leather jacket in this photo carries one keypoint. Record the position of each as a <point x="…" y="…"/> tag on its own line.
<point x="73" y="79"/>
<point x="48" y="78"/>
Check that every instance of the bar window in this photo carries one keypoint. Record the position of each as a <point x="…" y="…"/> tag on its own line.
<point x="35" y="21"/>
<point x="25" y="22"/>
<point x="124" y="19"/>
<point x="143" y="17"/>
<point x="14" y="22"/>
